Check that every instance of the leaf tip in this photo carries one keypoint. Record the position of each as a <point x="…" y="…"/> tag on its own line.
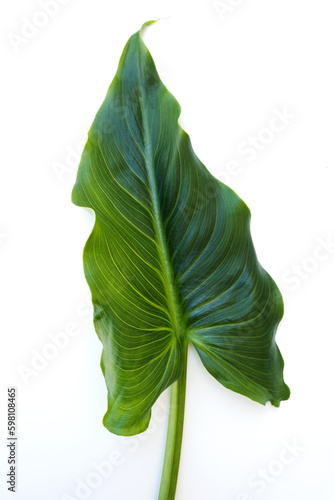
<point x="148" y="23"/>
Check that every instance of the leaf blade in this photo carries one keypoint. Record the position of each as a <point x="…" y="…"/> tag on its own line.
<point x="170" y="255"/>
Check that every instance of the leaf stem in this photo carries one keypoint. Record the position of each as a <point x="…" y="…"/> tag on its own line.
<point x="174" y="435"/>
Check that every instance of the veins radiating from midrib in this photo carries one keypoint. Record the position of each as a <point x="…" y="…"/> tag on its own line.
<point x="176" y="315"/>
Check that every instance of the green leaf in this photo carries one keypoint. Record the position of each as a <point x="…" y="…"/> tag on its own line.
<point x="170" y="259"/>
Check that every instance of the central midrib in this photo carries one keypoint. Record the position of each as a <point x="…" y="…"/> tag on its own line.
<point x="166" y="267"/>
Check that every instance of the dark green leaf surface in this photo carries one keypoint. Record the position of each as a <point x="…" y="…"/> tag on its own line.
<point x="170" y="259"/>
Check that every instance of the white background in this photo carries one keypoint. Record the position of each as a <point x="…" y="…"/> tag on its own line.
<point x="230" y="72"/>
